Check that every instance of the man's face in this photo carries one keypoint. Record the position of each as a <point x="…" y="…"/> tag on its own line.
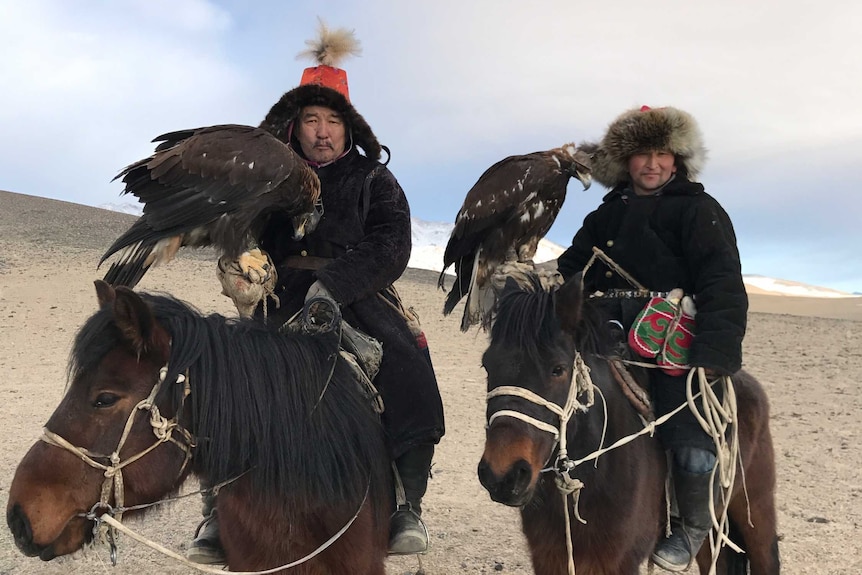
<point x="651" y="170"/>
<point x="321" y="134"/>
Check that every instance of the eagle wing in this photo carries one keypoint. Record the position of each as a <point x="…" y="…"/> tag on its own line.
<point x="208" y="186"/>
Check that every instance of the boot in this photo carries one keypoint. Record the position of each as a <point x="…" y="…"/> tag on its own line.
<point x="691" y="477"/>
<point x="407" y="532"/>
<point x="206" y="547"/>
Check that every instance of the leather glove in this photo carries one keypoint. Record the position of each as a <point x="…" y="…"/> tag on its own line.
<point x="317" y="289"/>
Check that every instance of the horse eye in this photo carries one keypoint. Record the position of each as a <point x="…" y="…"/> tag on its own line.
<point x="105" y="400"/>
<point x="558" y="371"/>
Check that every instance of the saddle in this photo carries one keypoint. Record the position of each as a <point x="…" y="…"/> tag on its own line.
<point x="362" y="353"/>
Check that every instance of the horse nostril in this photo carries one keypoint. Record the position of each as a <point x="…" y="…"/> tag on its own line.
<point x="508" y="488"/>
<point x="485" y="476"/>
<point x="520" y="476"/>
<point x="19" y="525"/>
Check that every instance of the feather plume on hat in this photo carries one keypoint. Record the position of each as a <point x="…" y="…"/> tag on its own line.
<point x="331" y="47"/>
<point x="324" y="85"/>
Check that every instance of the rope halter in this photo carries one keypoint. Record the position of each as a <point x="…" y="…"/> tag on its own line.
<point x="162" y="428"/>
<point x="581" y="383"/>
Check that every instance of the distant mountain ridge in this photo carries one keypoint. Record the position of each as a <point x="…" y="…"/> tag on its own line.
<point x="430" y="238"/>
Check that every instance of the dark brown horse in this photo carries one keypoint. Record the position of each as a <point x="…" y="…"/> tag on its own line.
<point x="534" y="342"/>
<point x="282" y="415"/>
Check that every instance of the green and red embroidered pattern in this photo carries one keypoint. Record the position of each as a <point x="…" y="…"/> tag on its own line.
<point x="662" y="331"/>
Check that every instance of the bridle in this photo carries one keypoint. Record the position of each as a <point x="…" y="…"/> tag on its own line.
<point x="581" y="382"/>
<point x="163" y="429"/>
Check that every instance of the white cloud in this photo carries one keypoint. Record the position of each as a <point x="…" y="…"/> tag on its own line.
<point x="452" y="87"/>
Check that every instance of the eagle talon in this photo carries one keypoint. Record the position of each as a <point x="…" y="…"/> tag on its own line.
<point x="255" y="265"/>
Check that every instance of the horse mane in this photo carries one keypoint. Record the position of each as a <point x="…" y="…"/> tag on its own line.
<point x="526" y="318"/>
<point x="281" y="405"/>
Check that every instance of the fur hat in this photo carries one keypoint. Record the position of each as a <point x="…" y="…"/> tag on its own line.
<point x="324" y="85"/>
<point x="643" y="129"/>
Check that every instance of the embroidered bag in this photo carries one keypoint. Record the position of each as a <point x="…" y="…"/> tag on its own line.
<point x="673" y="358"/>
<point x="664" y="330"/>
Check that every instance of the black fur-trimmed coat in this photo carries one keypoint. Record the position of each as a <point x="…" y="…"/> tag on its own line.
<point x="681" y="238"/>
<point x="370" y="251"/>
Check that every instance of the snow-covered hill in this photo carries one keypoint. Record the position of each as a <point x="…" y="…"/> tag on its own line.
<point x="430" y="238"/>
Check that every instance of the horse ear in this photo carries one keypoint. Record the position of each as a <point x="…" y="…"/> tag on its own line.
<point x="134" y="318"/>
<point x="104" y="293"/>
<point x="567" y="303"/>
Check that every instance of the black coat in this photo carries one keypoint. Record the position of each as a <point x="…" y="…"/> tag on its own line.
<point x="680" y="238"/>
<point x="369" y="252"/>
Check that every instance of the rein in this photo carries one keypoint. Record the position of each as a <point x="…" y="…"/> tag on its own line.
<point x="111" y="520"/>
<point x="115" y="524"/>
<point x="716" y="422"/>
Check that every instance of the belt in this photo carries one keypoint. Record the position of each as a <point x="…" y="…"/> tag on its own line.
<point x="629" y="293"/>
<point x="306" y="262"/>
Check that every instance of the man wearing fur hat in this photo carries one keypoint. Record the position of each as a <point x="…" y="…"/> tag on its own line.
<point x="659" y="225"/>
<point x="359" y="248"/>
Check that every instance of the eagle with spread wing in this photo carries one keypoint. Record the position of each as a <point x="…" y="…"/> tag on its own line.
<point x="505" y="214"/>
<point x="212" y="186"/>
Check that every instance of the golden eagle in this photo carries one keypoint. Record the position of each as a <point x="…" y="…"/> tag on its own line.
<point x="505" y="214"/>
<point x="216" y="186"/>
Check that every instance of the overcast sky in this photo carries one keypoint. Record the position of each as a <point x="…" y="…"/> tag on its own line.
<point x="453" y="86"/>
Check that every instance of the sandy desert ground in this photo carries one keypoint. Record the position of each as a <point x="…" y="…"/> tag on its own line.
<point x="807" y="353"/>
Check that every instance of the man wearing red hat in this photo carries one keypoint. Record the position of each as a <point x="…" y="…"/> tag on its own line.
<point x="359" y="248"/>
<point x="659" y="225"/>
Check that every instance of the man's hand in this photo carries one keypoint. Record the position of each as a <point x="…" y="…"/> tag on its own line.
<point x="317" y="289"/>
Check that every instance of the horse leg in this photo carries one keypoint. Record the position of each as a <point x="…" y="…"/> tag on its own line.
<point x="549" y="560"/>
<point x="760" y="541"/>
<point x="362" y="549"/>
<point x="753" y="522"/>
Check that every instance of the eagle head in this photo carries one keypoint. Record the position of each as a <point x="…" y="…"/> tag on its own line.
<point x="577" y="163"/>
<point x="306" y="222"/>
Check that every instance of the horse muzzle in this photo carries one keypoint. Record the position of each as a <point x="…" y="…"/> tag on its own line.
<point x="514" y="487"/>
<point x="70" y="539"/>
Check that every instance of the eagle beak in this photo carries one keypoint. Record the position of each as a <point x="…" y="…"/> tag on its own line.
<point x="583" y="171"/>
<point x="585" y="176"/>
<point x="304" y="224"/>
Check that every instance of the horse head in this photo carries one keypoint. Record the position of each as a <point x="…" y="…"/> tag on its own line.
<point x="530" y="366"/>
<point x="102" y="429"/>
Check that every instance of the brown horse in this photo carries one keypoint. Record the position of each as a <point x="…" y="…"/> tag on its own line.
<point x="279" y="418"/>
<point x="534" y="342"/>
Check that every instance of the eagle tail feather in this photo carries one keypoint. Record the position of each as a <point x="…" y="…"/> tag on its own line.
<point x="441" y="283"/>
<point x="133" y="263"/>
<point x="473" y="309"/>
<point x="463" y="270"/>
